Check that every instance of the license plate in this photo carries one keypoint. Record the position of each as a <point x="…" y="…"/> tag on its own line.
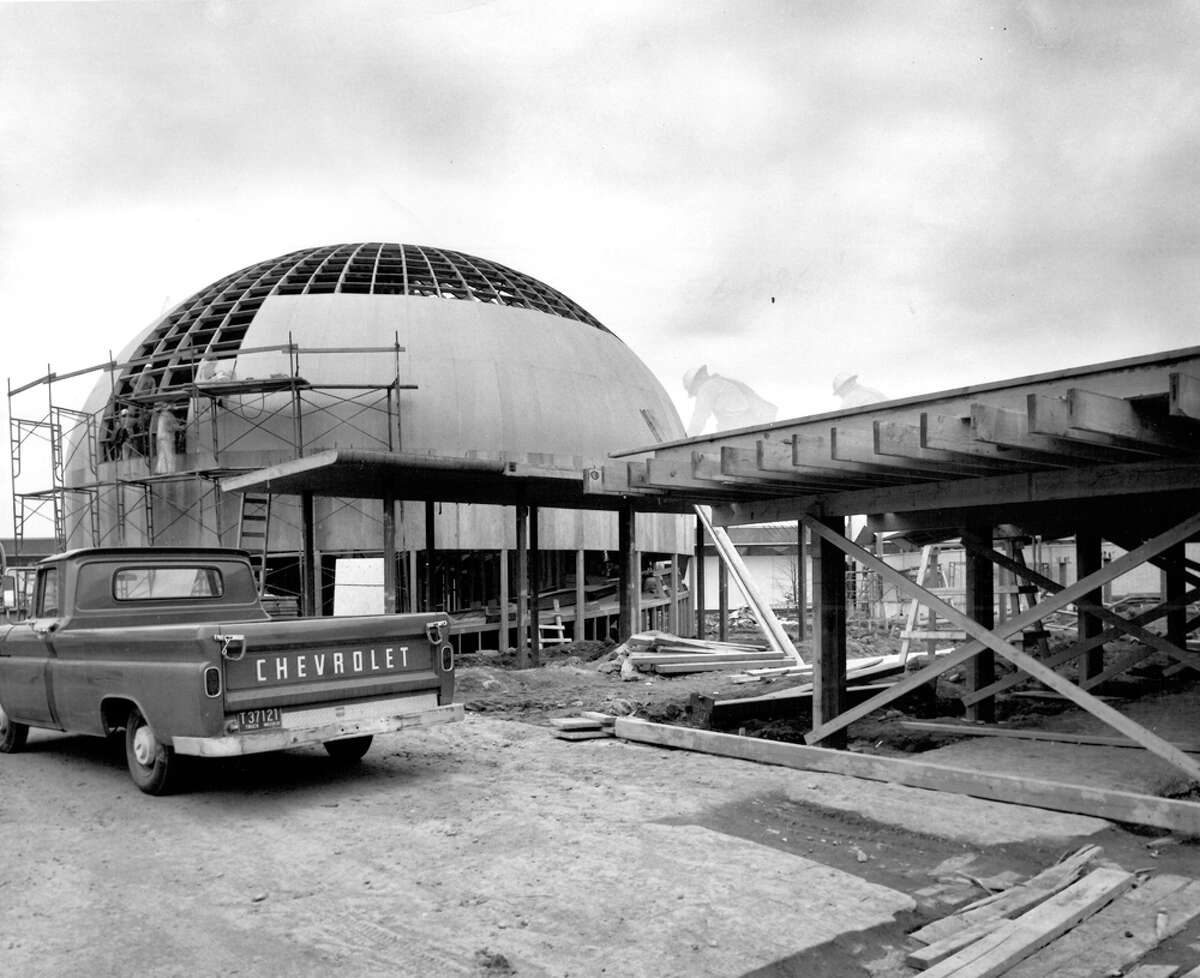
<point x="260" y="719"/>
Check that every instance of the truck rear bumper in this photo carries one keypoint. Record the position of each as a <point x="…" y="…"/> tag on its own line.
<point x="261" y="741"/>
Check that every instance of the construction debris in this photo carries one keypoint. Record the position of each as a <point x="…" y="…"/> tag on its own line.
<point x="586" y="726"/>
<point x="1059" y="923"/>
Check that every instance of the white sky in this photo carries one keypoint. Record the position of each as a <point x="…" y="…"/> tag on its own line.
<point x="931" y="194"/>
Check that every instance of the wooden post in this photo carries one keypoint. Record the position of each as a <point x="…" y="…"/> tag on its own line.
<point x="429" y="555"/>
<point x="722" y="602"/>
<point x="522" y="574"/>
<point x="502" y="642"/>
<point x="389" y="554"/>
<point x="698" y="582"/>
<point x="1087" y="561"/>
<point x="580" y="632"/>
<point x="801" y="581"/>
<point x="412" y="581"/>
<point x="629" y="622"/>
<point x="829" y="633"/>
<point x="1176" y="586"/>
<point x="309" y="603"/>
<point x="535" y="615"/>
<point x="673" y="607"/>
<point x="980" y="671"/>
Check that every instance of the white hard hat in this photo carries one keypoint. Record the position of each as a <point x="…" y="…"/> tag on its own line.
<point x="842" y="379"/>
<point x="690" y="376"/>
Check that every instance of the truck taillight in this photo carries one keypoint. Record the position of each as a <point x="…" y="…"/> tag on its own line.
<point x="212" y="681"/>
<point x="447" y="659"/>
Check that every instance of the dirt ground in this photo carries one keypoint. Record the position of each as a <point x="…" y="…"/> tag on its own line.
<point x="489" y="848"/>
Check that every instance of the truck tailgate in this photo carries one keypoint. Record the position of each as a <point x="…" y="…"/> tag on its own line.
<point x="328" y="660"/>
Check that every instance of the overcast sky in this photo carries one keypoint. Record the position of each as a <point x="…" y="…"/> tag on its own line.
<point x="930" y="194"/>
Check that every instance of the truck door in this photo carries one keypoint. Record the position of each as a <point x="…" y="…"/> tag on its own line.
<point x="25" y="655"/>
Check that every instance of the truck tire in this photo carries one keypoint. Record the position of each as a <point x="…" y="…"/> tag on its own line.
<point x="350" y="750"/>
<point x="12" y="734"/>
<point x="152" y="765"/>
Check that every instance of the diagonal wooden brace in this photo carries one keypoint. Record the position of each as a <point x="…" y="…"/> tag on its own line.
<point x="1074" y="651"/>
<point x="1119" y="625"/>
<point x="995" y="640"/>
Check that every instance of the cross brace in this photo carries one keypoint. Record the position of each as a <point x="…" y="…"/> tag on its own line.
<point x="995" y="640"/>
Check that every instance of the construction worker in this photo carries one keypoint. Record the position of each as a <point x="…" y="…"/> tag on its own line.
<point x="853" y="394"/>
<point x="729" y="402"/>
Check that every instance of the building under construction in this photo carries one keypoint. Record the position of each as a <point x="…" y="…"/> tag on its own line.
<point x="398" y="349"/>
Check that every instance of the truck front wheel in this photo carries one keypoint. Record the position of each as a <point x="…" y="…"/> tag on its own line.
<point x="348" y="751"/>
<point x="152" y="765"/>
<point x="12" y="734"/>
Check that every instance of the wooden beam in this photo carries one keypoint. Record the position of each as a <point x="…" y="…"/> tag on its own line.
<point x="722" y="601"/>
<point x="855" y="445"/>
<point x="1120" y="806"/>
<point x="1077" y="485"/>
<point x="430" y="555"/>
<point x="629" y="618"/>
<point x="815" y="450"/>
<point x="389" y="554"/>
<point x="676" y="473"/>
<point x="1088" y="561"/>
<point x="829" y="632"/>
<point x="709" y="466"/>
<point x="903" y="440"/>
<point x="801" y="580"/>
<point x="535" y="615"/>
<point x="1013" y="428"/>
<point x="1018" y="657"/>
<point x="980" y="670"/>
<point x="310" y="597"/>
<point x="522" y="582"/>
<point x="504" y="619"/>
<point x="778" y="457"/>
<point x="1184" y="398"/>
<point x="744" y="464"/>
<point x="1055" y="417"/>
<point x="1121" y="418"/>
<point x="955" y="434"/>
<point x="1020" y="733"/>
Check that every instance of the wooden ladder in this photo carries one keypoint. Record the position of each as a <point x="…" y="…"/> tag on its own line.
<point x="1036" y="636"/>
<point x="254" y="530"/>
<point x="929" y="555"/>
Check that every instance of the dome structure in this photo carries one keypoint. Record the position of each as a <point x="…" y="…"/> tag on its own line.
<point x="482" y="360"/>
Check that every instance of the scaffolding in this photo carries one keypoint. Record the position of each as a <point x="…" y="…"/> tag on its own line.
<point x="112" y="476"/>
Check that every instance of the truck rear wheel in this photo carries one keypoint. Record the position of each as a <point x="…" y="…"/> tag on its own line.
<point x="12" y="734"/>
<point x="350" y="750"/>
<point x="152" y="765"/>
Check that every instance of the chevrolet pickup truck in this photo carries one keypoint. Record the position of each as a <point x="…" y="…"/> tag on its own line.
<point x="172" y="646"/>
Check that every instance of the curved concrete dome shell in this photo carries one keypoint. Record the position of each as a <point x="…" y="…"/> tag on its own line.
<point x="500" y="362"/>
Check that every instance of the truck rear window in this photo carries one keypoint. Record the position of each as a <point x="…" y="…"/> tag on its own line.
<point x="174" y="583"/>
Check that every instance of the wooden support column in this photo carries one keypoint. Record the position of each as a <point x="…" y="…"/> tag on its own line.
<point x="698" y="582"/>
<point x="580" y="632"/>
<point x="430" y="544"/>
<point x="502" y="641"/>
<point x="535" y="615"/>
<point x="522" y="574"/>
<point x="309" y="598"/>
<point x="829" y="633"/>
<point x="980" y="671"/>
<point x="673" y="607"/>
<point x="722" y="602"/>
<point x="389" y="554"/>
<point x="629" y="621"/>
<point x="801" y="580"/>
<point x="1087" y="561"/>
<point x="413" y="577"/>
<point x="1176" y="586"/>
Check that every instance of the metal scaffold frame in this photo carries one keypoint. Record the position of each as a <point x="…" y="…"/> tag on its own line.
<point x="67" y="466"/>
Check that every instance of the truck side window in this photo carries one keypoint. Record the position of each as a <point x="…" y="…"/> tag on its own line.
<point x="47" y="603"/>
<point x="166" y="583"/>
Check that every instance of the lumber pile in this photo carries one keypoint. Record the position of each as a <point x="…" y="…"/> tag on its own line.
<point x="586" y="726"/>
<point x="1073" y="919"/>
<point x="671" y="655"/>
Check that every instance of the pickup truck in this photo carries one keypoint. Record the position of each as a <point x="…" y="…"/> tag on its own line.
<point x="172" y="646"/>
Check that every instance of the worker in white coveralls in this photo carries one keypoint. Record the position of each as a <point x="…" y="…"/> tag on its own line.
<point x="729" y="402"/>
<point x="853" y="394"/>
